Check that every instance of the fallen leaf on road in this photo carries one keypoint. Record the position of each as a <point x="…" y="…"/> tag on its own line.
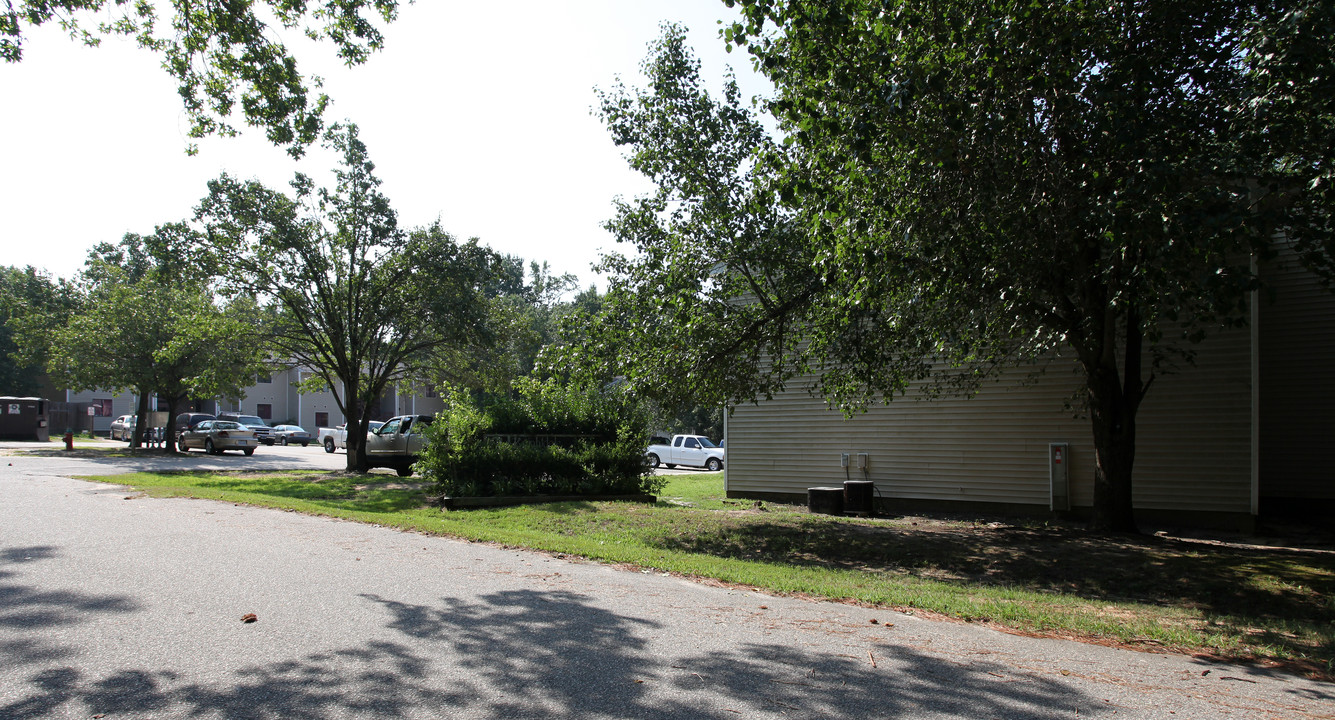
<point x="249" y="618"/>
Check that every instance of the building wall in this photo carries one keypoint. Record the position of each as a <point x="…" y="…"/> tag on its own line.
<point x="1193" y="454"/>
<point x="1297" y="408"/>
<point x="287" y="405"/>
<point x="121" y="404"/>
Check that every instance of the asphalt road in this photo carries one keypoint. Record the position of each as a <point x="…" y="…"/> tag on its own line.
<point x="120" y="606"/>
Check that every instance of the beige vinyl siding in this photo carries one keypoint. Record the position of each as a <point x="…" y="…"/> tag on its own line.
<point x="1194" y="433"/>
<point x="1297" y="413"/>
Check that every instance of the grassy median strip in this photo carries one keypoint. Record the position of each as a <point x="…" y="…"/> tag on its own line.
<point x="1234" y="602"/>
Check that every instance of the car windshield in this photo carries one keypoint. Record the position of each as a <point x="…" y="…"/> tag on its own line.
<point x="249" y="420"/>
<point x="226" y="425"/>
<point x="704" y="442"/>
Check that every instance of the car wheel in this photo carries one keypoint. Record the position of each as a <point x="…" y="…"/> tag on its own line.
<point x="713" y="465"/>
<point x="249" y="451"/>
<point x="328" y="445"/>
<point x="404" y="471"/>
<point x="284" y="442"/>
<point x="208" y="447"/>
<point x="305" y="444"/>
<point x="653" y="460"/>
<point x="670" y="466"/>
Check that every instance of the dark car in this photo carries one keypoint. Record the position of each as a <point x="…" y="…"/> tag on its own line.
<point x="185" y="421"/>
<point x="291" y="435"/>
<point x="263" y="432"/>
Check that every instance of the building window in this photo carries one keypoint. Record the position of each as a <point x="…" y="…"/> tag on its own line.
<point x="264" y="378"/>
<point x="430" y="390"/>
<point x="264" y="410"/>
<point x="102" y="408"/>
<point x="162" y="405"/>
<point x="322" y="419"/>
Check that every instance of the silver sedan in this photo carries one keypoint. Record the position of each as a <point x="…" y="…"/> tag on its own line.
<point x="215" y="436"/>
<point x="292" y="435"/>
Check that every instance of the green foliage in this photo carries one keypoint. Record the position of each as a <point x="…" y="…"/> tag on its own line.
<point x="671" y="323"/>
<point x="1287" y="125"/>
<point x="154" y="326"/>
<point x="524" y="312"/>
<point x="221" y="54"/>
<point x="32" y="304"/>
<point x="550" y="439"/>
<point x="962" y="187"/>
<point x="347" y="293"/>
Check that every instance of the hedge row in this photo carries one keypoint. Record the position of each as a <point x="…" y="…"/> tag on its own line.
<point x="559" y="440"/>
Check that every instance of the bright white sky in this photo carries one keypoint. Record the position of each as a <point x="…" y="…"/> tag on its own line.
<point x="476" y="113"/>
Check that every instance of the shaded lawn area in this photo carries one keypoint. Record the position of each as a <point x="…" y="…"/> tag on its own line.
<point x="1265" y="605"/>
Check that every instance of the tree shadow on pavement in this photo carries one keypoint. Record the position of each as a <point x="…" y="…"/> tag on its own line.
<point x="381" y="680"/>
<point x="28" y="615"/>
<point x="558" y="655"/>
<point x="531" y="654"/>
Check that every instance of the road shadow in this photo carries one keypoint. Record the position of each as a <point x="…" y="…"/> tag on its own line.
<point x="380" y="680"/>
<point x="529" y="654"/>
<point x="562" y="656"/>
<point x="30" y="617"/>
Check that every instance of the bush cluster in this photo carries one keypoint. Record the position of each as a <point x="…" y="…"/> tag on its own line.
<point x="549" y="439"/>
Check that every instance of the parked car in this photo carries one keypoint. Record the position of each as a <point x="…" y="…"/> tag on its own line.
<point x="215" y="436"/>
<point x="122" y="428"/>
<point x="693" y="450"/>
<point x="337" y="437"/>
<point x="263" y="432"/>
<point x="185" y="421"/>
<point x="291" y="435"/>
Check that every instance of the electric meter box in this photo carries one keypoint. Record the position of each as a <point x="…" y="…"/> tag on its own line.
<point x="1059" y="474"/>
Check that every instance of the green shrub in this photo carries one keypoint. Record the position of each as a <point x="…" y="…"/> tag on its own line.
<point x="550" y="439"/>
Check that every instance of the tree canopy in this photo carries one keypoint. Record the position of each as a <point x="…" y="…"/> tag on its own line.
<point x="32" y="303"/>
<point x="960" y="187"/>
<point x="149" y="322"/>
<point x="222" y="55"/>
<point x="348" y="294"/>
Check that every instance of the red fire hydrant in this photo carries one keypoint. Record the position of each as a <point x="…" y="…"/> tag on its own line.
<point x="69" y="441"/>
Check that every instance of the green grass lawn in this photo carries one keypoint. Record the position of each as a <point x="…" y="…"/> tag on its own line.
<point x="1237" y="603"/>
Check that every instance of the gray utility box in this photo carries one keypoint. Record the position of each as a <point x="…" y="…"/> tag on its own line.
<point x="1059" y="474"/>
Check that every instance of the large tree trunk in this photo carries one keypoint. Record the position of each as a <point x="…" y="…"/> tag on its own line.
<point x="1113" y="404"/>
<point x="357" y="460"/>
<point x="355" y="442"/>
<point x="141" y="420"/>
<point x="169" y="438"/>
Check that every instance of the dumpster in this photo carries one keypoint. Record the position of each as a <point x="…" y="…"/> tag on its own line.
<point x="24" y="418"/>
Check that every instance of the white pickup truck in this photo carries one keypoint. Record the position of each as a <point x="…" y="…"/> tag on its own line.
<point x="337" y="437"/>
<point x="692" y="450"/>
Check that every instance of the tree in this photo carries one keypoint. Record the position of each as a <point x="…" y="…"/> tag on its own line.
<point x="524" y="312"/>
<point x="347" y="293"/>
<point x="150" y="323"/>
<point x="32" y="303"/>
<point x="221" y="54"/>
<point x="1287" y="126"/>
<point x="672" y="321"/>
<point x="962" y="187"/>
